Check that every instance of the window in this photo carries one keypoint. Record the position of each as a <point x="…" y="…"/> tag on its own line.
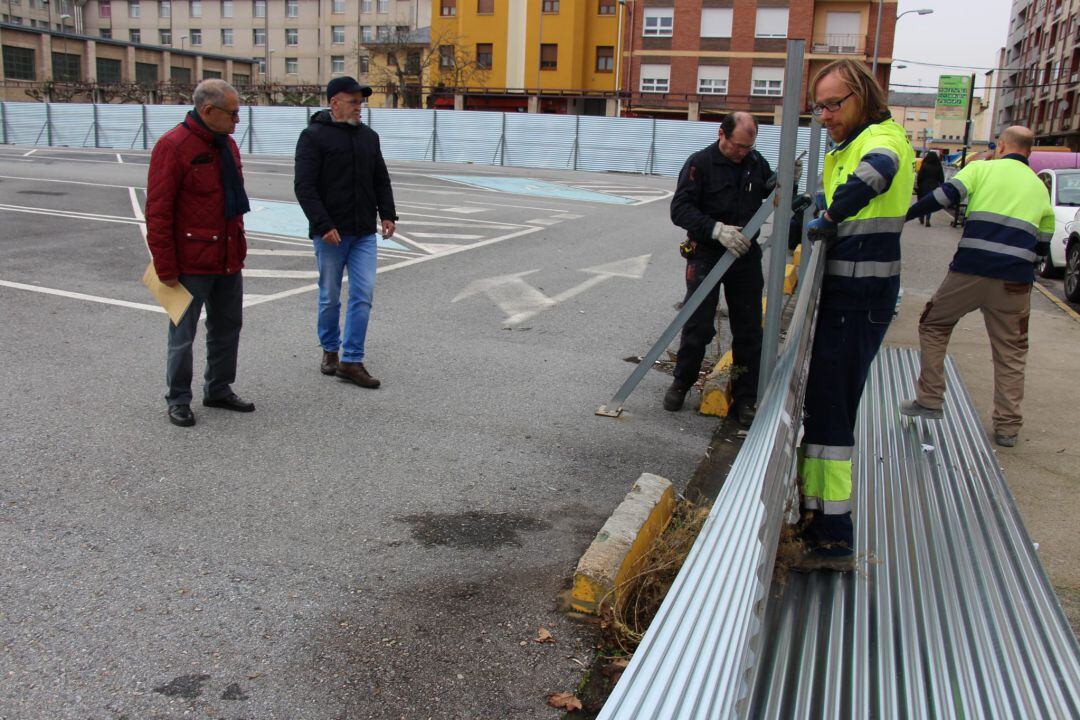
<point x="365" y="34"/>
<point x="446" y="56"/>
<point x="133" y="8"/>
<point x="382" y="33"/>
<point x="196" y="36"/>
<point x="485" y="7"/>
<point x="19" y="63"/>
<point x="382" y="6"/>
<point x="105" y="8"/>
<point x="716" y="23"/>
<point x="105" y="33"/>
<point x="211" y="74"/>
<point x="180" y="75"/>
<point x="292" y="8"/>
<point x="483" y="55"/>
<point x="165" y="37"/>
<point x="549" y="56"/>
<point x="412" y="63"/>
<point x="910" y="115"/>
<point x="659" y="22"/>
<point x="605" y="58"/>
<point x="338" y="7"/>
<point x="365" y="6"/>
<point x="292" y="36"/>
<point x="842" y="32"/>
<point x="135" y="36"/>
<point x="363" y="64"/>
<point x="65" y="67"/>
<point x="337" y="64"/>
<point x="226" y="36"/>
<point x="448" y="8"/>
<point x="261" y="62"/>
<point x="292" y="66"/>
<point x="771" y="23"/>
<point x="655" y="78"/>
<point x="195" y="8"/>
<point x="767" y="81"/>
<point x="258" y="8"/>
<point x="924" y="115"/>
<point x="337" y="34"/>
<point x="227" y="11"/>
<point x="12" y="19"/>
<point x="164" y="8"/>
<point x="240" y="80"/>
<point x="40" y="24"/>
<point x="551" y="6"/>
<point x="258" y="37"/>
<point x="607" y="7"/>
<point x="712" y="79"/>
<point x="146" y="73"/>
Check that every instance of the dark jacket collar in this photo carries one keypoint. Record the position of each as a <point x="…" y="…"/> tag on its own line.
<point x="1016" y="156"/>
<point x="195" y="124"/>
<point x="719" y="158"/>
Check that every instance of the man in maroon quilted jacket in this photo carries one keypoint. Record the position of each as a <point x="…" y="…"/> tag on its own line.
<point x="195" y="205"/>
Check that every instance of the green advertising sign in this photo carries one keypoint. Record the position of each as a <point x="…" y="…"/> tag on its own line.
<point x="952" y="97"/>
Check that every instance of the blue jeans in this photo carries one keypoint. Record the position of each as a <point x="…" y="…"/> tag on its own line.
<point x="358" y="254"/>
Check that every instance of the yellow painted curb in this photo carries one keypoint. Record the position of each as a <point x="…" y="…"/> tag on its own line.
<point x="716" y="394"/>
<point x="616" y="553"/>
<point x="791" y="279"/>
<point x="1050" y="296"/>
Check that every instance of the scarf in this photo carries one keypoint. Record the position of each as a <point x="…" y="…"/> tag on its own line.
<point x="236" y="199"/>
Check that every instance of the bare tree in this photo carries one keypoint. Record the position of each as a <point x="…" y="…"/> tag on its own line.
<point x="404" y="61"/>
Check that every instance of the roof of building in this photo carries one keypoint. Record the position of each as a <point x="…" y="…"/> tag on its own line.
<point x="912" y="99"/>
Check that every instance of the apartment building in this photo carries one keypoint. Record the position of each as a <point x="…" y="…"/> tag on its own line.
<point x="295" y="42"/>
<point x="915" y="112"/>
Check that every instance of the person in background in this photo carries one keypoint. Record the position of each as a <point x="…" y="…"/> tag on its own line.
<point x="930" y="177"/>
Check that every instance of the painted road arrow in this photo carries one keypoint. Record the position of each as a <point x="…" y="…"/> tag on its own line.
<point x="521" y="301"/>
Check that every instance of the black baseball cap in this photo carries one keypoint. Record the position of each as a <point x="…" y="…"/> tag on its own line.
<point x="346" y="84"/>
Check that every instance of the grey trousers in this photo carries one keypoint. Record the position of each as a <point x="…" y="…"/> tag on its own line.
<point x="223" y="296"/>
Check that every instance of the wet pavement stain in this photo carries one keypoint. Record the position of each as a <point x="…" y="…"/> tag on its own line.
<point x="472" y="529"/>
<point x="234" y="692"/>
<point x="188" y="687"/>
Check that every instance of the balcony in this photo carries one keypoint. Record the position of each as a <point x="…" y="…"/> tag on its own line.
<point x="839" y="44"/>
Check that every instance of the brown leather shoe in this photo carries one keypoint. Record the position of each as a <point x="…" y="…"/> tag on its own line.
<point x="329" y="364"/>
<point x="357" y="373"/>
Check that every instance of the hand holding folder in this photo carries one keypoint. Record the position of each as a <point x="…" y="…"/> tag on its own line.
<point x="175" y="300"/>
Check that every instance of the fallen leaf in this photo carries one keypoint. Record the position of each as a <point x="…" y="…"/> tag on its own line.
<point x="564" y="701"/>
<point x="543" y="636"/>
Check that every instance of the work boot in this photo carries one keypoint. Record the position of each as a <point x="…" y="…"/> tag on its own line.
<point x="826" y="543"/>
<point x="912" y="408"/>
<point x="675" y="396"/>
<point x="1005" y="440"/>
<point x="819" y="557"/>
<point x="357" y="373"/>
<point x="745" y="413"/>
<point x="329" y="363"/>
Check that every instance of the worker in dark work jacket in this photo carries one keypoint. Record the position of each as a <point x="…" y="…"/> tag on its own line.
<point x="1006" y="234"/>
<point x="719" y="190"/>
<point x="868" y="178"/>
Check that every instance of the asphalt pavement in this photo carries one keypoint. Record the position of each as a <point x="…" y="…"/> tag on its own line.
<point x="341" y="552"/>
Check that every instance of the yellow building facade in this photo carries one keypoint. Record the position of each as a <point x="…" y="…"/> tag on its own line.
<point x="523" y="45"/>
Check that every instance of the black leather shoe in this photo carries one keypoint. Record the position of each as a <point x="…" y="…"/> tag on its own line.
<point x="232" y="401"/>
<point x="744" y="414"/>
<point x="675" y="396"/>
<point x="181" y="415"/>
<point x="329" y="363"/>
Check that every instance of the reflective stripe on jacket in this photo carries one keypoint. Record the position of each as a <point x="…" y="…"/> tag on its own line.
<point x="863" y="265"/>
<point x="1009" y="220"/>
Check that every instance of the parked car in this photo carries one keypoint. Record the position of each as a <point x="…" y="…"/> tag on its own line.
<point x="1064" y="188"/>
<point x="1072" y="259"/>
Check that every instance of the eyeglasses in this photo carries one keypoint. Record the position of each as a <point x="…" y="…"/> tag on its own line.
<point x="739" y="145"/>
<point x="234" y="114"/>
<point x="819" y="108"/>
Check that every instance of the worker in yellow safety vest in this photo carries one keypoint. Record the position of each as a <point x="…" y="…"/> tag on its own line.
<point x="868" y="180"/>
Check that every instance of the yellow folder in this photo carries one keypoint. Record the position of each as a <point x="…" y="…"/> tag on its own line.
<point x="175" y="300"/>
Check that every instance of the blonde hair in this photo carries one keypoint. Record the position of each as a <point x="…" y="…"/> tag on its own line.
<point x="858" y="80"/>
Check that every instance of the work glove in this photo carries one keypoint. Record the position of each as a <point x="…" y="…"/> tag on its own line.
<point x="731" y="238"/>
<point x="821" y="229"/>
<point x="819" y="202"/>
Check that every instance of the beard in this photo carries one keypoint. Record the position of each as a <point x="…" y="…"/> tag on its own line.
<point x="353" y="121"/>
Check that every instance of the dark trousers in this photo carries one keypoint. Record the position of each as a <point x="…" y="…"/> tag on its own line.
<point x="223" y="296"/>
<point x="743" y="285"/>
<point x="845" y="344"/>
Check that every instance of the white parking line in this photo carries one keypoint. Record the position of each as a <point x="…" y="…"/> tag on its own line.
<point x="82" y="296"/>
<point x="446" y="236"/>
<point x="28" y="154"/>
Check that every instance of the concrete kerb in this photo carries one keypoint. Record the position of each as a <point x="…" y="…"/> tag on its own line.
<point x="618" y="549"/>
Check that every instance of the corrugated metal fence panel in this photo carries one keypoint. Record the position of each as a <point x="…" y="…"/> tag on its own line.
<point x="472" y="137"/>
<point x="243" y="128"/>
<point x="120" y="126"/>
<point x="403" y="134"/>
<point x="25" y="123"/>
<point x="539" y="141"/>
<point x="951" y="614"/>
<point x="276" y="129"/>
<point x="676" y="140"/>
<point x="160" y="119"/>
<point x="73" y="125"/>
<point x="614" y="144"/>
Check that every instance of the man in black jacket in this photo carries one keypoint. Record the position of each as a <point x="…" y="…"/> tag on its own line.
<point x="719" y="190"/>
<point x="341" y="182"/>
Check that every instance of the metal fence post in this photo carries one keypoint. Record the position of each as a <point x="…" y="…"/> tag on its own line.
<point x="501" y="150"/>
<point x="434" y="133"/>
<point x="3" y="121"/>
<point x="48" y="123"/>
<point x="577" y="142"/>
<point x="652" y="151"/>
<point x="251" y="130"/>
<point x="97" y="131"/>
<point x="789" y="134"/>
<point x="145" y="129"/>
<point x="813" y="163"/>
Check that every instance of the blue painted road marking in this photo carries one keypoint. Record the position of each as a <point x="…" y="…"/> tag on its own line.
<point x="287" y="219"/>
<point x="538" y="188"/>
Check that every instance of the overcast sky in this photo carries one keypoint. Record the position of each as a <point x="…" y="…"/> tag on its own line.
<point x="959" y="32"/>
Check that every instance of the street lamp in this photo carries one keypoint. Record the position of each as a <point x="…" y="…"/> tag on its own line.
<point x="269" y="65"/>
<point x="182" y="59"/>
<point x="877" y="31"/>
<point x="63" y="28"/>
<point x="618" y="59"/>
